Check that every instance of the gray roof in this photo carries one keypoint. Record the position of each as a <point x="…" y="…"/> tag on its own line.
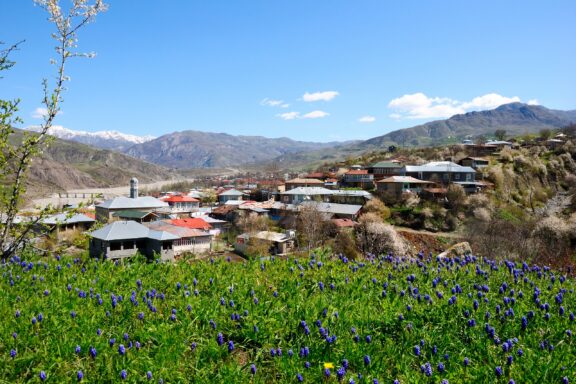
<point x="231" y="192"/>
<point x="386" y="164"/>
<point x="309" y="191"/>
<point x="498" y="142"/>
<point x="439" y="166"/>
<point x="352" y="192"/>
<point x="267" y="235"/>
<point x="126" y="230"/>
<point x="337" y="209"/>
<point x="63" y="218"/>
<point x="130" y="203"/>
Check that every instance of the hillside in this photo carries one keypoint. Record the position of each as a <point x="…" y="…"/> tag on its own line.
<point x="515" y="118"/>
<point x="66" y="165"/>
<point x="195" y="149"/>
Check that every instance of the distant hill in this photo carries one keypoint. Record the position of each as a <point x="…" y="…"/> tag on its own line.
<point x="195" y="149"/>
<point x="515" y="118"/>
<point x="114" y="140"/>
<point x="69" y="165"/>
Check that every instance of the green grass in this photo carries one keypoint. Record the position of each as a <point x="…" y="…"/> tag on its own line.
<point x="355" y="301"/>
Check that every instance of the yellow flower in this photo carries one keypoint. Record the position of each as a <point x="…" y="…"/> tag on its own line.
<point x="328" y="366"/>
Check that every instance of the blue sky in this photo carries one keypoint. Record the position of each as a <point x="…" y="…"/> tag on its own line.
<point x="317" y="70"/>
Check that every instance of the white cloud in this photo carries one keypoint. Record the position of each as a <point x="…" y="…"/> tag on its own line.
<point x="297" y="115"/>
<point x="274" y="103"/>
<point x="315" y="115"/>
<point x="319" y="96"/>
<point x="367" y="119"/>
<point x="289" y="115"/>
<point x="533" y="102"/>
<point x="40" y="113"/>
<point x="420" y="106"/>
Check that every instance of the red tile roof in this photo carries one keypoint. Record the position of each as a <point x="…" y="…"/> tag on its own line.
<point x="179" y="199"/>
<point x="344" y="223"/>
<point x="192" y="223"/>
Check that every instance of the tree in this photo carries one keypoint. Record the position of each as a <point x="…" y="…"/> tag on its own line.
<point x="456" y="196"/>
<point x="480" y="140"/>
<point x="376" y="237"/>
<point x="378" y="207"/>
<point x="17" y="154"/>
<point x="500" y="134"/>
<point x="312" y="226"/>
<point x="545" y="133"/>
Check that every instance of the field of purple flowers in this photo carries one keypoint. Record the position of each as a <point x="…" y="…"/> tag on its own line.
<point x="323" y="319"/>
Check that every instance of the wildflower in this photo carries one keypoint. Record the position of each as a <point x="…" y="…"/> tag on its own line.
<point x="123" y="374"/>
<point x="498" y="371"/>
<point x="328" y="366"/>
<point x="340" y="373"/>
<point x="121" y="349"/>
<point x="326" y="372"/>
<point x="42" y="375"/>
<point x="299" y="378"/>
<point x="220" y="339"/>
<point x="253" y="369"/>
<point x="230" y="346"/>
<point x="12" y="353"/>
<point x="366" y="360"/>
<point x="440" y="367"/>
<point x="466" y="361"/>
<point x="93" y="352"/>
<point x="79" y="375"/>
<point x="78" y="349"/>
<point x="149" y="375"/>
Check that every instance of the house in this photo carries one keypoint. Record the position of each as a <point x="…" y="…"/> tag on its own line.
<point x="332" y="210"/>
<point x="218" y="226"/>
<point x="500" y="144"/>
<point x="385" y="169"/>
<point x="230" y="194"/>
<point x="195" y="241"/>
<point x="296" y="195"/>
<point x="180" y="204"/>
<point x="298" y="183"/>
<point x="64" y="224"/>
<point x="122" y="239"/>
<point x="395" y="186"/>
<point x="441" y="172"/>
<point x="135" y="215"/>
<point x="350" y="196"/>
<point x="192" y="223"/>
<point x="344" y="224"/>
<point x="359" y="178"/>
<point x="105" y="210"/>
<point x="279" y="243"/>
<point x="554" y="143"/>
<point x="474" y="162"/>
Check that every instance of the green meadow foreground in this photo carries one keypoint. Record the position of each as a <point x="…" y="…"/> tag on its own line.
<point x="319" y="319"/>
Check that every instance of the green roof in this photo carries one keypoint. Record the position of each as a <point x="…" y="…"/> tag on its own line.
<point x="131" y="214"/>
<point x="386" y="164"/>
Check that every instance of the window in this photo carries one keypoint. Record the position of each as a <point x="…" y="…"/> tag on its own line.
<point x="166" y="246"/>
<point x="115" y="246"/>
<point x="456" y="176"/>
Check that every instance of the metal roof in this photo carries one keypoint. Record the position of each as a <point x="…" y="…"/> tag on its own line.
<point x="403" y="179"/>
<point x="267" y="235"/>
<point x="63" y="218"/>
<point x="130" y="203"/>
<point x="337" y="209"/>
<point x="132" y="214"/>
<point x="386" y="164"/>
<point x="128" y="230"/>
<point x="352" y="192"/>
<point x="308" y="191"/>
<point x="231" y="192"/>
<point x="438" y="166"/>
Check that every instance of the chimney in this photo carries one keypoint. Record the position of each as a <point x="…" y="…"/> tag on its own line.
<point x="133" y="188"/>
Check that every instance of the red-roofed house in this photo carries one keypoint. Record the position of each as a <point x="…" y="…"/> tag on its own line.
<point x="181" y="204"/>
<point x="192" y="223"/>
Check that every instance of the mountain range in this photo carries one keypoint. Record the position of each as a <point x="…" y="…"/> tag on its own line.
<point x="196" y="149"/>
<point x="113" y="140"/>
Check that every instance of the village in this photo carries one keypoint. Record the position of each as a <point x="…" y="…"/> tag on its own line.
<point x="250" y="215"/>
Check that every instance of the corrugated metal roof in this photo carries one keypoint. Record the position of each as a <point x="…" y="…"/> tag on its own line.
<point x="231" y="192"/>
<point x="352" y="192"/>
<point x="63" y="218"/>
<point x="448" y="168"/>
<point x="132" y="214"/>
<point x="403" y="179"/>
<point x="122" y="202"/>
<point x="308" y="191"/>
<point x="337" y="209"/>
<point x="127" y="230"/>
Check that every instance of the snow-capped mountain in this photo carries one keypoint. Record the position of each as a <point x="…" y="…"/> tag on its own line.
<point x="114" y="140"/>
